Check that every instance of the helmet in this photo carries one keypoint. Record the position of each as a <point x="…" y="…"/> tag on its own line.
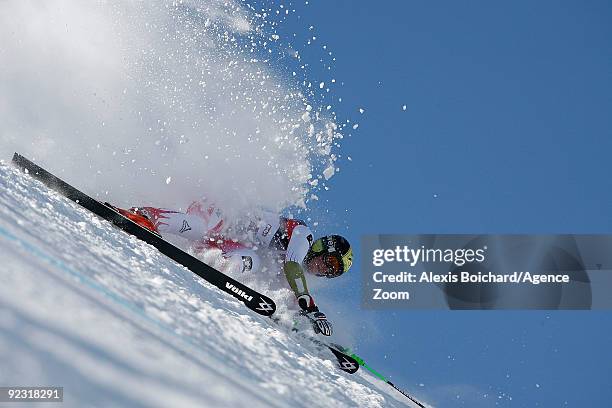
<point x="329" y="256"/>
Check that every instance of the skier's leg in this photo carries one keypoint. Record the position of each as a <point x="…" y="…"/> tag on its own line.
<point x="258" y="228"/>
<point x="242" y="260"/>
<point x="210" y="214"/>
<point x="166" y="221"/>
<point x="237" y="258"/>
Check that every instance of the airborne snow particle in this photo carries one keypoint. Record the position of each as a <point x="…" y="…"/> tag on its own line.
<point x="361" y="110"/>
<point x="329" y="172"/>
<point x="403" y="107"/>
<point x="168" y="180"/>
<point x="322" y="85"/>
<point x="355" y="126"/>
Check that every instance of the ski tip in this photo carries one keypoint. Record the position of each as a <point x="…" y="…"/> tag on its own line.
<point x="263" y="306"/>
<point x="17" y="159"/>
<point x="345" y="362"/>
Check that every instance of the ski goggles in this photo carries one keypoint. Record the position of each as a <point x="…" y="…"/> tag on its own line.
<point x="329" y="265"/>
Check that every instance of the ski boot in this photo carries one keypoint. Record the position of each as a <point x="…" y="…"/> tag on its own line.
<point x="138" y="216"/>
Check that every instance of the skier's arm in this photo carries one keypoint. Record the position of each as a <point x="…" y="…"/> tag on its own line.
<point x="190" y="226"/>
<point x="295" y="276"/>
<point x="297" y="248"/>
<point x="296" y="279"/>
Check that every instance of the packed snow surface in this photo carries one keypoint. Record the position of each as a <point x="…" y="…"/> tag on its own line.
<point x="88" y="307"/>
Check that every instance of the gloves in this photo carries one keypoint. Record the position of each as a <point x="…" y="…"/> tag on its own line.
<point x="320" y="324"/>
<point x="319" y="321"/>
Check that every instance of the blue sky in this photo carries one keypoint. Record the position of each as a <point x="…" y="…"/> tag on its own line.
<point x="507" y="129"/>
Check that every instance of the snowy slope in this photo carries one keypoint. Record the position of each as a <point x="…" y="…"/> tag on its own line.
<point x="88" y="307"/>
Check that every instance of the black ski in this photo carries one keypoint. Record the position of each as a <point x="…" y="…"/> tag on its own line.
<point x="252" y="299"/>
<point x="344" y="361"/>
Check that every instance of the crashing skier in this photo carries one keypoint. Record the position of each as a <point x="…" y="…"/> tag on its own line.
<point x="242" y="243"/>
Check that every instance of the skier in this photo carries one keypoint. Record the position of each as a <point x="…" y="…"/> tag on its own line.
<point x="291" y="239"/>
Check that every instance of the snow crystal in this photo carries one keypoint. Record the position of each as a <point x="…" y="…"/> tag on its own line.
<point x="168" y="180"/>
<point x="361" y="110"/>
<point x="403" y="107"/>
<point x="329" y="172"/>
<point x="356" y="125"/>
<point x="241" y="24"/>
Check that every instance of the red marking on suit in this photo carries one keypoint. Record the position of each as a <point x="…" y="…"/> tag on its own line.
<point x="196" y="209"/>
<point x="291" y="224"/>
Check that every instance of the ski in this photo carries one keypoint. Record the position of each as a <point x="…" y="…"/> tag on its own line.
<point x="362" y="363"/>
<point x="347" y="359"/>
<point x="254" y="300"/>
<point x="344" y="361"/>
